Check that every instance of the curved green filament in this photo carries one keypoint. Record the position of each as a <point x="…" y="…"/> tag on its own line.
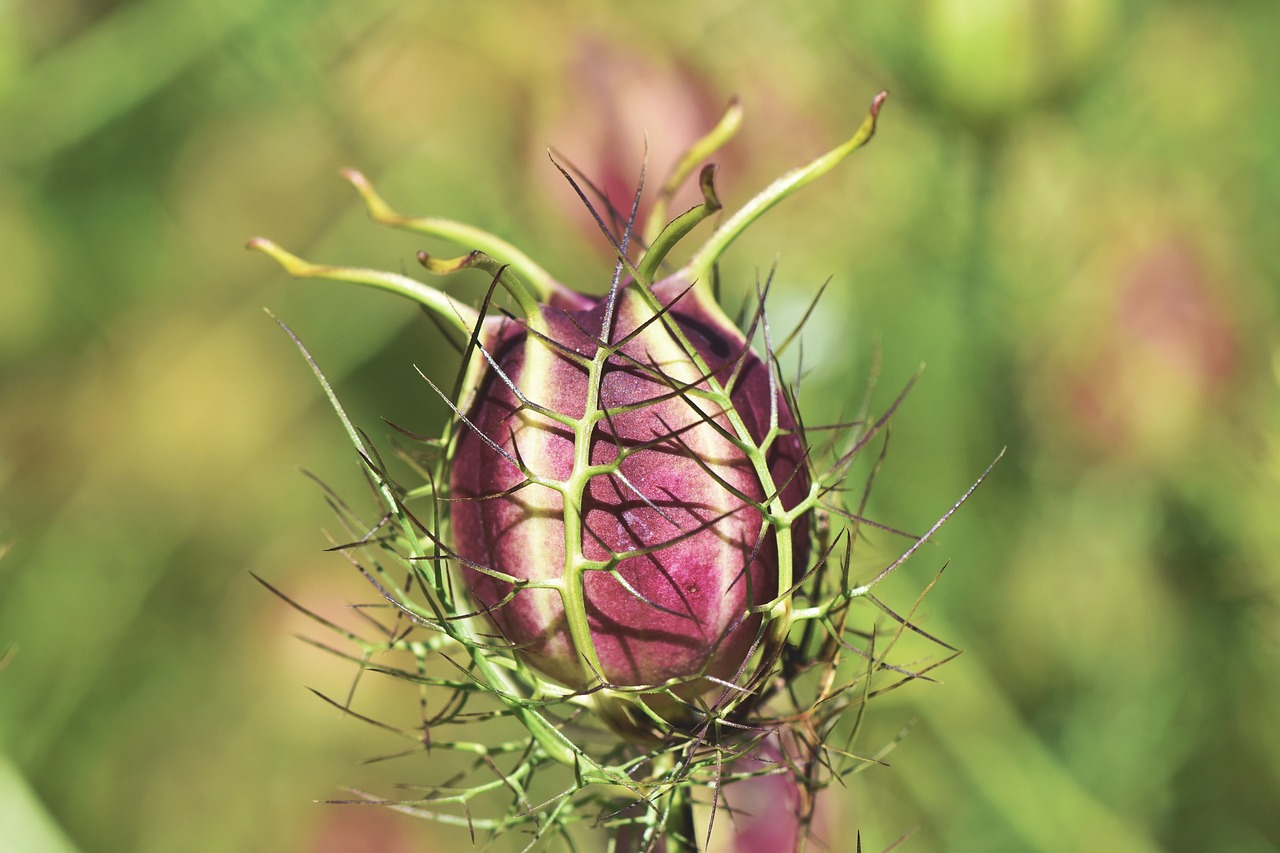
<point x="700" y="264"/>
<point x="709" y="144"/>
<point x="459" y="314"/>
<point x="680" y="226"/>
<point x="519" y="290"/>
<point x="542" y="282"/>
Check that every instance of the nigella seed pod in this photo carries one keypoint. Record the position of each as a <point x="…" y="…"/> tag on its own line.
<point x="628" y="491"/>
<point x="638" y="501"/>
<point x="621" y="522"/>
<point x="623" y="488"/>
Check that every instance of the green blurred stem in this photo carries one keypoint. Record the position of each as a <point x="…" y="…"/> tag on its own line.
<point x="128" y="56"/>
<point x="680" y="832"/>
<point x="988" y="351"/>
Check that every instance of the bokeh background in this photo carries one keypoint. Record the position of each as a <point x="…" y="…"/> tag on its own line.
<point x="1069" y="214"/>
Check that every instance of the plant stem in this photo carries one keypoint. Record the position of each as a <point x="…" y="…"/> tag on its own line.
<point x="680" y="835"/>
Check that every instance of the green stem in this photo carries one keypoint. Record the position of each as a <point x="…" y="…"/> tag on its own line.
<point x="680" y="833"/>
<point x="700" y="264"/>
<point x="510" y="282"/>
<point x="461" y="315"/>
<point x="698" y="151"/>
<point x="680" y="226"/>
<point x="543" y="283"/>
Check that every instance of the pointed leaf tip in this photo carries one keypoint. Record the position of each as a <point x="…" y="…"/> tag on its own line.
<point x="445" y="266"/>
<point x="377" y="208"/>
<point x="293" y="265"/>
<point x="676" y="229"/>
<point x="505" y="275"/>
<point x="707" y="183"/>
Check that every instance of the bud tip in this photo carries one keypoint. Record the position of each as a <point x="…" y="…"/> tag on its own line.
<point x="878" y="101"/>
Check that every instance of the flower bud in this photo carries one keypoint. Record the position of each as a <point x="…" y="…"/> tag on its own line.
<point x="626" y="495"/>
<point x="629" y="497"/>
<point x="641" y="500"/>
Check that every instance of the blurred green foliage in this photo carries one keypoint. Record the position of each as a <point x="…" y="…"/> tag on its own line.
<point x="1069" y="214"/>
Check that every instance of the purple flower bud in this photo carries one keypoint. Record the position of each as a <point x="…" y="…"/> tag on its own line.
<point x="629" y="501"/>
<point x="629" y="496"/>
<point x="670" y="494"/>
